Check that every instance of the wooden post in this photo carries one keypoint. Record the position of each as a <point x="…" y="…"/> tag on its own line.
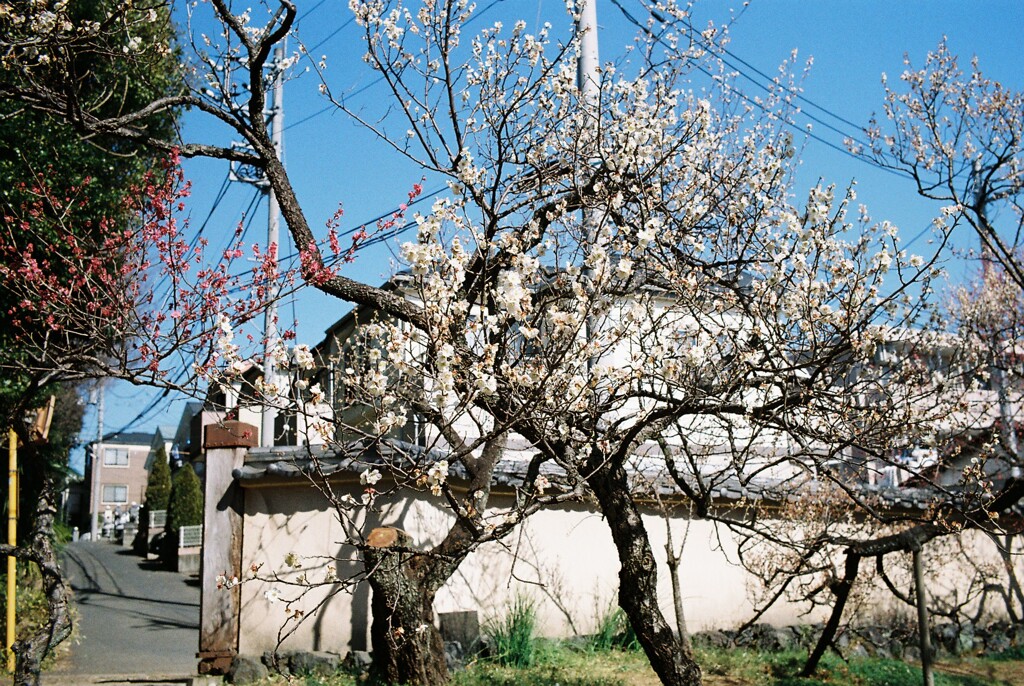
<point x="226" y="445"/>
<point x="922" y="621"/>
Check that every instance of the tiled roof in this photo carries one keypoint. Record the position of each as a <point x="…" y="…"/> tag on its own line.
<point x="302" y="462"/>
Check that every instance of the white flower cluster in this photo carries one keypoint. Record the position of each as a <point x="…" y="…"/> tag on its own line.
<point x="437" y="475"/>
<point x="303" y="357"/>
<point x="226" y="582"/>
<point x="370" y="477"/>
<point x="512" y="295"/>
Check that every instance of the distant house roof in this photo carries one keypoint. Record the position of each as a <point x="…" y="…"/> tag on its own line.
<point x="127" y="438"/>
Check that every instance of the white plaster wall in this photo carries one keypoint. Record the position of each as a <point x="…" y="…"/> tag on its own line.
<point x="562" y="559"/>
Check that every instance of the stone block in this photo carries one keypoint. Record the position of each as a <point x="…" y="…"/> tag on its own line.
<point x="320" y="663"/>
<point x="246" y="669"/>
<point x="357" y="662"/>
<point x="711" y="639"/>
<point x="462" y="628"/>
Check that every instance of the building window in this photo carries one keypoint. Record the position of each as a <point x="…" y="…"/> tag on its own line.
<point x="115" y="493"/>
<point x="115" y="457"/>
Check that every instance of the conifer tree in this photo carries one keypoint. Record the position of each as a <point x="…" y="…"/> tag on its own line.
<point x="158" y="485"/>
<point x="185" y="507"/>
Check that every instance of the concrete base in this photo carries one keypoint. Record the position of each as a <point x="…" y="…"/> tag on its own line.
<point x="189" y="560"/>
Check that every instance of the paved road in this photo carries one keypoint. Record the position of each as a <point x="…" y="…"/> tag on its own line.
<point x="134" y="619"/>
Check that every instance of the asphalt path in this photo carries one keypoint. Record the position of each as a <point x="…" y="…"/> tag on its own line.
<point x="134" y="619"/>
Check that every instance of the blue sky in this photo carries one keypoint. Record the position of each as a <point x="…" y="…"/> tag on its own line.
<point x="332" y="161"/>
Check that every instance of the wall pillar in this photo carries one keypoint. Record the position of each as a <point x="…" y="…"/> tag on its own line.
<point x="225" y="445"/>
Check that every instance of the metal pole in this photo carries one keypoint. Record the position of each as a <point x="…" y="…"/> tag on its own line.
<point x="12" y="540"/>
<point x="922" y="621"/>
<point x="273" y="237"/>
<point x="97" y="455"/>
<point x="587" y="80"/>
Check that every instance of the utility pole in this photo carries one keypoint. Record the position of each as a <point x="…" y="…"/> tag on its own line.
<point x="97" y="455"/>
<point x="270" y="335"/>
<point x="588" y="83"/>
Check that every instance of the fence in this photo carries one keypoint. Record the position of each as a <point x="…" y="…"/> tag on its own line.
<point x="157" y="519"/>
<point x="190" y="536"/>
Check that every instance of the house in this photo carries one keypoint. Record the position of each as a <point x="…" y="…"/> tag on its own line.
<point x="240" y="400"/>
<point x="116" y="473"/>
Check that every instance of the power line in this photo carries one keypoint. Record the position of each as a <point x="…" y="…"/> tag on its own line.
<point x="331" y="35"/>
<point x="309" y="11"/>
<point x="760" y="73"/>
<point x="385" y="235"/>
<point x="759" y="105"/>
<point x="372" y="83"/>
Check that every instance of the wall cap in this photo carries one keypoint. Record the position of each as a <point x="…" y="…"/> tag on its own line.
<point x="230" y="434"/>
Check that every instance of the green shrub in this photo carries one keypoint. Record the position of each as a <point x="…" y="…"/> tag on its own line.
<point x="512" y="638"/>
<point x="185" y="505"/>
<point x="62" y="533"/>
<point x="32" y="611"/>
<point x="158" y="485"/>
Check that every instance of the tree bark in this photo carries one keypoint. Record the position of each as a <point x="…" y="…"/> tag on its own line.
<point x="31" y="650"/>
<point x="407" y="647"/>
<point x="638" y="578"/>
<point x="672" y="561"/>
<point x="924" y="633"/>
<point x="841" y="590"/>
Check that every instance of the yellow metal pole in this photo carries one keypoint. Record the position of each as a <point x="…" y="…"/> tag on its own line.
<point x="12" y="539"/>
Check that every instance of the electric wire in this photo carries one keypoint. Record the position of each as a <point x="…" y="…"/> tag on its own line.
<point x="309" y="11"/>
<point x="374" y="82"/>
<point x="759" y="105"/>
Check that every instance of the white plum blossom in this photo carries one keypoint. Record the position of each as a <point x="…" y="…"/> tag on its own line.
<point x="303" y="357"/>
<point x="376" y="384"/>
<point x="645" y="236"/>
<point x="437" y="475"/>
<point x="370" y="477"/>
<point x="511" y="295"/>
<point x="268" y="389"/>
<point x="227" y="582"/>
<point x="316" y="394"/>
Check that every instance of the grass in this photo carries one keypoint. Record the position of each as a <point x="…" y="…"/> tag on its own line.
<point x="566" y="667"/>
<point x="512" y="636"/>
<point x="613" y="632"/>
<point x="569" y="664"/>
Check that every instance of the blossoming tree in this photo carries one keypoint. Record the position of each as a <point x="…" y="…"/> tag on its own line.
<point x="619" y="276"/>
<point x="957" y="134"/>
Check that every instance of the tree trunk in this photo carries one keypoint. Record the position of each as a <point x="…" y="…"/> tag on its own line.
<point x="923" y="632"/>
<point x="1007" y="555"/>
<point x="638" y="578"/>
<point x="407" y="647"/>
<point x="841" y="590"/>
<point x="673" y="561"/>
<point x="31" y="650"/>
